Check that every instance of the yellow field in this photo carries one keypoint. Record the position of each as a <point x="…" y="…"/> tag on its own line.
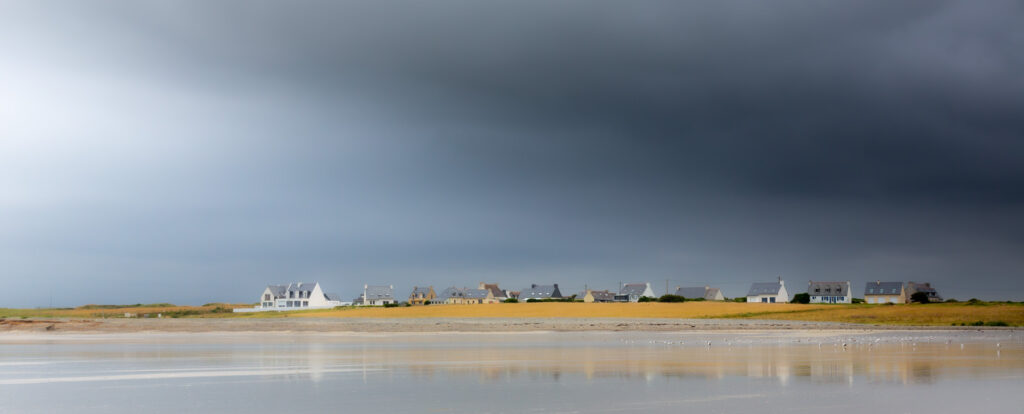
<point x="931" y="314"/>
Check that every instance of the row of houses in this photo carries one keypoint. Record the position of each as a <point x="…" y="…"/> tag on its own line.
<point x="309" y="295"/>
<point x="876" y="292"/>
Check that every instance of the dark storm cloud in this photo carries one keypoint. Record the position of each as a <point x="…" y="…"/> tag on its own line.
<point x="580" y="142"/>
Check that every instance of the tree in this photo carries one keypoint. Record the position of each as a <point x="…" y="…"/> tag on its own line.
<point x="511" y="300"/>
<point x="671" y="298"/>
<point x="802" y="298"/>
<point x="647" y="299"/>
<point x="919" y="297"/>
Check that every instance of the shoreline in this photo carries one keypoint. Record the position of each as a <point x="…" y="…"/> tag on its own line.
<point x="440" y="325"/>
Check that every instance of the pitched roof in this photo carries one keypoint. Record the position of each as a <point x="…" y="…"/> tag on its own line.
<point x="332" y="296"/>
<point x="495" y="290"/>
<point x="379" y="292"/>
<point x="420" y="290"/>
<point x="828" y="288"/>
<point x="883" y="288"/>
<point x="539" y="292"/>
<point x="602" y="295"/>
<point x="475" y="293"/>
<point x="692" y="292"/>
<point x="633" y="289"/>
<point x="764" y="288"/>
<point x="281" y="291"/>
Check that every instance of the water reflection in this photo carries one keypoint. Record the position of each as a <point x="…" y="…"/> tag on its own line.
<point x="458" y="372"/>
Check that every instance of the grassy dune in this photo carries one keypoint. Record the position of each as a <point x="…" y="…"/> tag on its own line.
<point x="945" y="314"/>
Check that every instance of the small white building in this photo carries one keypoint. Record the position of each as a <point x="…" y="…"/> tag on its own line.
<point x="768" y="292"/>
<point x="829" y="292"/>
<point x="376" y="296"/>
<point x="294" y="296"/>
<point x="632" y="292"/>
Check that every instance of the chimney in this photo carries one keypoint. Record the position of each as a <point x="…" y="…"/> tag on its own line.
<point x="556" y="285"/>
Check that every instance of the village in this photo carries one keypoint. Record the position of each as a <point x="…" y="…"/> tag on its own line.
<point x="310" y="295"/>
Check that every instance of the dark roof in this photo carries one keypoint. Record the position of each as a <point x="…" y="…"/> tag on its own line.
<point x="540" y="292"/>
<point x="692" y="292"/>
<point x="764" y="288"/>
<point x="475" y="293"/>
<point x="633" y="289"/>
<point x="495" y="290"/>
<point x="280" y="291"/>
<point x="379" y="292"/>
<point x="883" y="288"/>
<point x="828" y="288"/>
<point x="332" y="296"/>
<point x="601" y="295"/>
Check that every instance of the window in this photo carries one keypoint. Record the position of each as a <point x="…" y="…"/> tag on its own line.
<point x="764" y="300"/>
<point x="266" y="296"/>
<point x="772" y="300"/>
<point x="305" y="303"/>
<point x="817" y="290"/>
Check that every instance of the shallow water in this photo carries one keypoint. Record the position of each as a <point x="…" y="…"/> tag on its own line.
<point x="526" y="372"/>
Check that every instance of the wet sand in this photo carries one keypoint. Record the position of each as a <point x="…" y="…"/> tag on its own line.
<point x="433" y="325"/>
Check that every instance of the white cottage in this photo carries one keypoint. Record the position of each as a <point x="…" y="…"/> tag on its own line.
<point x="632" y="292"/>
<point x="376" y="296"/>
<point x="294" y="296"/>
<point x="829" y="292"/>
<point x="768" y="292"/>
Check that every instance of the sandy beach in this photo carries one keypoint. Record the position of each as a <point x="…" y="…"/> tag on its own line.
<point x="119" y="325"/>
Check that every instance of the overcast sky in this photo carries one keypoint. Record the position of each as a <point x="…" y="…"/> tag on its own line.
<point x="195" y="151"/>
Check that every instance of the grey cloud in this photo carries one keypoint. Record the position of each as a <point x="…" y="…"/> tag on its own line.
<point x="582" y="142"/>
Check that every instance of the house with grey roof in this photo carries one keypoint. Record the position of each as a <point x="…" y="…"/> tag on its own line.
<point x="829" y="292"/>
<point x="540" y="292"/>
<point x="376" y="296"/>
<point x="768" y="292"/>
<point x="632" y="292"/>
<point x="879" y="292"/>
<point x="705" y="292"/>
<point x="914" y="287"/>
<point x="497" y="292"/>
<point x="294" y="296"/>
<point x="596" y="296"/>
<point x="465" y="296"/>
<point x="422" y="295"/>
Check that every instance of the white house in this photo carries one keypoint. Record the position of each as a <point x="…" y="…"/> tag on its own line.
<point x="376" y="296"/>
<point x="632" y="292"/>
<point x="829" y="292"/>
<point x="768" y="292"/>
<point x="294" y="296"/>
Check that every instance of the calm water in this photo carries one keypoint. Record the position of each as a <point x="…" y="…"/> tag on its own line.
<point x="550" y="372"/>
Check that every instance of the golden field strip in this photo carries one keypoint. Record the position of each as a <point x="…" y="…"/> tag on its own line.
<point x="942" y="314"/>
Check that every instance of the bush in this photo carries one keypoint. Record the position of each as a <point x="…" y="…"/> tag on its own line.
<point x="671" y="298"/>
<point x="740" y="299"/>
<point x="390" y="305"/>
<point x="647" y="299"/>
<point x="919" y="297"/>
<point x="426" y="302"/>
<point x="951" y="300"/>
<point x="857" y="300"/>
<point x="511" y="300"/>
<point x="801" y="298"/>
<point x="975" y="301"/>
<point x="532" y="300"/>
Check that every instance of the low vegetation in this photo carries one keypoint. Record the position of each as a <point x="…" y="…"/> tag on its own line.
<point x="969" y="313"/>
